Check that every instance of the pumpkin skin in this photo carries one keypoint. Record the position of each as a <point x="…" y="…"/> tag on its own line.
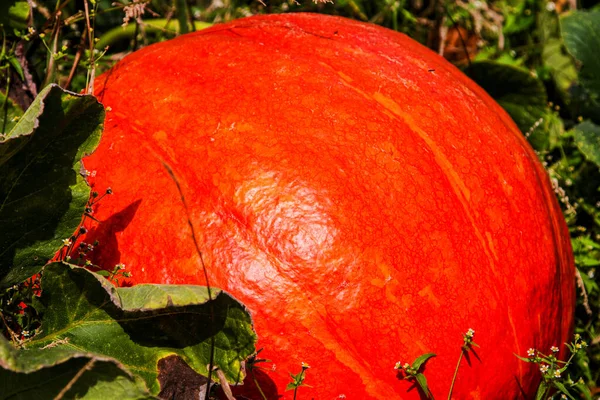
<point x="362" y="197"/>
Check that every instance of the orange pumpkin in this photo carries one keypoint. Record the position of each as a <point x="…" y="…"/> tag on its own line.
<point x="363" y="198"/>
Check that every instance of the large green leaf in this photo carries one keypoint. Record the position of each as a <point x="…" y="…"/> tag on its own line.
<point x="522" y="95"/>
<point x="9" y="113"/>
<point x="555" y="59"/>
<point x="44" y="373"/>
<point x="581" y="33"/>
<point x="587" y="139"/>
<point x="14" y="14"/>
<point x="42" y="193"/>
<point x="560" y="64"/>
<point x="144" y="325"/>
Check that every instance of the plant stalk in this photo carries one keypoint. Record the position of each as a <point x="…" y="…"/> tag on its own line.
<point x="462" y="351"/>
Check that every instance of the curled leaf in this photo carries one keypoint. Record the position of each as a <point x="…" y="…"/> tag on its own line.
<point x="142" y="325"/>
<point x="42" y="193"/>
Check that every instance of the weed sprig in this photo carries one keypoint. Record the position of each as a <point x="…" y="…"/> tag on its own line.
<point x="298" y="380"/>
<point x="554" y="371"/>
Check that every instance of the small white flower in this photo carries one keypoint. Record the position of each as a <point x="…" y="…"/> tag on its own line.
<point x="544" y="368"/>
<point x="406" y="366"/>
<point x="531" y="352"/>
<point x="398" y="365"/>
<point x="550" y="6"/>
<point x="557" y="374"/>
<point x="470" y="333"/>
<point x="304" y="365"/>
<point x="31" y="30"/>
<point x="66" y="242"/>
<point x="554" y="349"/>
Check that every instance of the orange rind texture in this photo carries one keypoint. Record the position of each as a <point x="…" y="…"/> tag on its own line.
<point x="361" y="196"/>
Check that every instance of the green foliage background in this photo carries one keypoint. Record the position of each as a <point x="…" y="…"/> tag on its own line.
<point x="539" y="59"/>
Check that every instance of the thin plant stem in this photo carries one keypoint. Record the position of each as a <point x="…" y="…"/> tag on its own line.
<point x="462" y="352"/>
<point x="190" y="16"/>
<point x="89" y="85"/>
<point x="7" y="69"/>
<point x="75" y="62"/>
<point x="211" y="360"/>
<point x="5" y="103"/>
<point x="462" y="40"/>
<point x="73" y="380"/>
<point x="51" y="65"/>
<point x="257" y="385"/>
<point x="546" y="392"/>
<point x="13" y="336"/>
<point x="135" y="35"/>
<point x="300" y="378"/>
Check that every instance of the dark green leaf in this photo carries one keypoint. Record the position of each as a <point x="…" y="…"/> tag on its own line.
<point x="14" y="14"/>
<point x="9" y="114"/>
<point x="422" y="382"/>
<point x="584" y="243"/>
<point x="522" y="95"/>
<point x="522" y="358"/>
<point x="563" y="390"/>
<point x="584" y="261"/>
<point x="44" y="373"/>
<point x="581" y="33"/>
<point x="141" y="325"/>
<point x="561" y="66"/>
<point x="17" y="67"/>
<point x="541" y="392"/>
<point x="518" y="20"/>
<point x="416" y="365"/>
<point x="590" y="284"/>
<point x="587" y="139"/>
<point x="42" y="193"/>
<point x="580" y="385"/>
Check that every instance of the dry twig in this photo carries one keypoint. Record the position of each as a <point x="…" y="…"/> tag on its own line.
<point x="581" y="286"/>
<point x="89" y="365"/>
